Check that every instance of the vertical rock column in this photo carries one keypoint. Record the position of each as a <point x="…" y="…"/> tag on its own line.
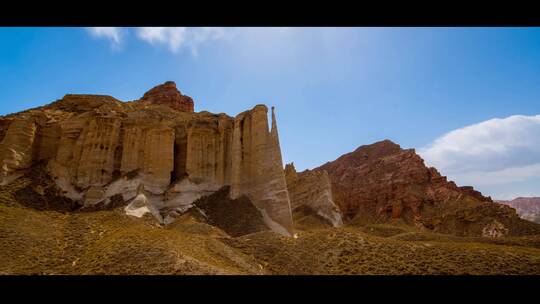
<point x="69" y="146"/>
<point x="208" y="157"/>
<point x="47" y="140"/>
<point x="202" y="152"/>
<point x="149" y="149"/>
<point x="258" y="168"/>
<point x="159" y="155"/>
<point x="96" y="164"/>
<point x="224" y="160"/>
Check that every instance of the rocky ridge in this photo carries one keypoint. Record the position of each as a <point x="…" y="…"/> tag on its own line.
<point x="382" y="182"/>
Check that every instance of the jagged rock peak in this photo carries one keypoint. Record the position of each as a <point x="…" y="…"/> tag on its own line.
<point x="384" y="182"/>
<point x="380" y="148"/>
<point x="167" y="94"/>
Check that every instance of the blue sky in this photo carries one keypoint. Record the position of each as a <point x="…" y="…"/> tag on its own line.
<point x="451" y="93"/>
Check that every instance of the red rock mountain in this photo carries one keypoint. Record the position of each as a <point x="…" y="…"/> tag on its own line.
<point x="168" y="94"/>
<point x="382" y="182"/>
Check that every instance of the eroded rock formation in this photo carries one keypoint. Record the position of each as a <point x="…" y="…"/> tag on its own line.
<point x="312" y="189"/>
<point x="382" y="182"/>
<point x="97" y="147"/>
<point x="16" y="150"/>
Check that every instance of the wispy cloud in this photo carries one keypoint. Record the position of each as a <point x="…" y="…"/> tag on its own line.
<point x="176" y="38"/>
<point x="499" y="177"/>
<point x="493" y="152"/>
<point x="113" y="34"/>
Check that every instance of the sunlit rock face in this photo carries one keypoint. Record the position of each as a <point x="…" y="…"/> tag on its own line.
<point x="381" y="183"/>
<point x="16" y="151"/>
<point x="312" y="189"/>
<point x="167" y="94"/>
<point x="97" y="147"/>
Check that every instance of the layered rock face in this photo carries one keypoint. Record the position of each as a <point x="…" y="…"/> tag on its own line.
<point x="312" y="189"/>
<point x="382" y="182"/>
<point x="96" y="148"/>
<point x="16" y="150"/>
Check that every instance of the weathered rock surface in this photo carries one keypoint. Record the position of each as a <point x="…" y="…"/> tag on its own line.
<point x="527" y="207"/>
<point x="312" y="189"/>
<point x="16" y="150"/>
<point x="382" y="182"/>
<point x="96" y="147"/>
<point x="167" y="94"/>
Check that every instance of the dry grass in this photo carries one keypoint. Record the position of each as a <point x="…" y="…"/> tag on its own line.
<point x="37" y="240"/>
<point x="109" y="242"/>
<point x="350" y="251"/>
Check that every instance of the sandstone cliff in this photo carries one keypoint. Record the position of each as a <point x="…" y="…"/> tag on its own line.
<point x="96" y="148"/>
<point x="382" y="182"/>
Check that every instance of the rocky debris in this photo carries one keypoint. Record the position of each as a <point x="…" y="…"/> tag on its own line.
<point x="41" y="193"/>
<point x="494" y="229"/>
<point x="96" y="148"/>
<point x="382" y="182"/>
<point x="527" y="207"/>
<point x="312" y="189"/>
<point x="236" y="217"/>
<point x="167" y="94"/>
<point x="141" y="205"/>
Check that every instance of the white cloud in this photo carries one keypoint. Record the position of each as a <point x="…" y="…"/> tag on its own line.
<point x="491" y="145"/>
<point x="176" y="38"/>
<point x="499" y="177"/>
<point x="493" y="153"/>
<point x="114" y="34"/>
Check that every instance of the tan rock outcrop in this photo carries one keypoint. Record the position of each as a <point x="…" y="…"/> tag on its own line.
<point x="312" y="189"/>
<point x="97" y="147"/>
<point x="17" y="147"/>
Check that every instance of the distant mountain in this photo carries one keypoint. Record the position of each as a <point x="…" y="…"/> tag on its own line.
<point x="527" y="207"/>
